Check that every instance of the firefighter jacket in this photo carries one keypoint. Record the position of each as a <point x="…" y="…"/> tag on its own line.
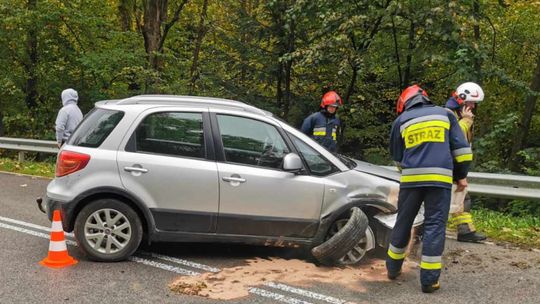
<point x="430" y="147"/>
<point x="464" y="122"/>
<point x="323" y="129"/>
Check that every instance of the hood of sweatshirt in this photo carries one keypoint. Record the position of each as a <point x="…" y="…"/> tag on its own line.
<point x="69" y="96"/>
<point x="452" y="104"/>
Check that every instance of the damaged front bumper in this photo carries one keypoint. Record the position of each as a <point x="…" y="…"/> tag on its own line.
<point x="385" y="222"/>
<point x="389" y="220"/>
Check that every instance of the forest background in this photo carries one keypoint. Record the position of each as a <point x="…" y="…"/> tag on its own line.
<point x="282" y="55"/>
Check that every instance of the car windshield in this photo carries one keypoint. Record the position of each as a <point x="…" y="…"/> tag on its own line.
<point x="351" y="164"/>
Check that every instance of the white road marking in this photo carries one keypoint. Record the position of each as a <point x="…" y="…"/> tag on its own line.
<point x="32" y="232"/>
<point x="73" y="243"/>
<point x="182" y="271"/>
<point x="306" y="293"/>
<point x="167" y="267"/>
<point x="182" y="262"/>
<point x="276" y="296"/>
<point x="38" y="227"/>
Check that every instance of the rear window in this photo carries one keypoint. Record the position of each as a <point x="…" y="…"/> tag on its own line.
<point x="95" y="128"/>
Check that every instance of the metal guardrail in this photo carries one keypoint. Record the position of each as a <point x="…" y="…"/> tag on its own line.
<point x="504" y="185"/>
<point x="28" y="145"/>
<point x="496" y="185"/>
<point x="485" y="184"/>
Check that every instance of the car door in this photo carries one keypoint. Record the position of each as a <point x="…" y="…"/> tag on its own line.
<point x="168" y="164"/>
<point x="256" y="196"/>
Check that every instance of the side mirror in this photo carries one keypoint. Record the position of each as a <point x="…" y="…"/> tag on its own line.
<point x="292" y="163"/>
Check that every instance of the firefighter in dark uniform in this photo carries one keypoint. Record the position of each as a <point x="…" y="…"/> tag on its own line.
<point x="323" y="126"/>
<point x="462" y="103"/>
<point x="432" y="152"/>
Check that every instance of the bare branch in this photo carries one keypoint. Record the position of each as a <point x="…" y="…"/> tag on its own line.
<point x="170" y="24"/>
<point x="494" y="39"/>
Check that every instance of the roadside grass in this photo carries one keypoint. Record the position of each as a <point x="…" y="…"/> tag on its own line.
<point x="524" y="230"/>
<point x="45" y="169"/>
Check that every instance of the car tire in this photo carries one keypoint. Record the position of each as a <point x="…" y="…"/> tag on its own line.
<point x="338" y="245"/>
<point x="108" y="230"/>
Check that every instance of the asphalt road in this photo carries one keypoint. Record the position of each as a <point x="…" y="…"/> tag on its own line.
<point x="474" y="273"/>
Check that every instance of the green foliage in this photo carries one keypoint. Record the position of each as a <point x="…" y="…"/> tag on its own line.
<point x="282" y="55"/>
<point x="523" y="208"/>
<point x="524" y="230"/>
<point x="531" y="164"/>
<point x="492" y="149"/>
<point x="45" y="169"/>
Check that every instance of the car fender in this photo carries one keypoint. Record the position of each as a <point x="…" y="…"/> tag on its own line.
<point x="327" y="220"/>
<point x="72" y="208"/>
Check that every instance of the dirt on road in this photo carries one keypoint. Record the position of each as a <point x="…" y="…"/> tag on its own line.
<point x="460" y="261"/>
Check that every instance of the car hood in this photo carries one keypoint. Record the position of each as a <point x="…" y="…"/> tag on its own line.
<point x="377" y="170"/>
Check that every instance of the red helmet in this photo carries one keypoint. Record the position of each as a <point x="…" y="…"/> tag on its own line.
<point x="407" y="94"/>
<point x="331" y="98"/>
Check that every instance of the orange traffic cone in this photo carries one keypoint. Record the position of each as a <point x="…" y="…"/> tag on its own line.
<point x="58" y="255"/>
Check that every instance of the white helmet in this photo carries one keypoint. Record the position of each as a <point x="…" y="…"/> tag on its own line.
<point x="469" y="91"/>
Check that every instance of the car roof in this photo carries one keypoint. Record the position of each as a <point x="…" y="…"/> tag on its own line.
<point x="173" y="100"/>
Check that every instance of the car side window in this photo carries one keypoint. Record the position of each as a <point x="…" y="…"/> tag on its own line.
<point x="172" y="133"/>
<point x="317" y="164"/>
<point x="251" y="142"/>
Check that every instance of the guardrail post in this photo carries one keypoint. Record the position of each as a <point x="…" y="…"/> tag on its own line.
<point x="21" y="156"/>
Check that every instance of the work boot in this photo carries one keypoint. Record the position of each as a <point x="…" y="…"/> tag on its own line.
<point x="471" y="237"/>
<point x="430" y="288"/>
<point x="393" y="275"/>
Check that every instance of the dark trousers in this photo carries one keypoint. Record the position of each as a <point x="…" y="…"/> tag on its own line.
<point x="436" y="204"/>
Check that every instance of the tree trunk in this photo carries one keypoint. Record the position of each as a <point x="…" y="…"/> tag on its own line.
<point x="244" y="39"/>
<point x="155" y="13"/>
<point x="30" y="66"/>
<point x="279" y="89"/>
<point x="352" y="84"/>
<point x="288" y="71"/>
<point x="408" y="60"/>
<point x="201" y="32"/>
<point x="281" y="45"/>
<point x="396" y="50"/>
<point x="155" y="33"/>
<point x="126" y="9"/>
<point x="477" y="59"/>
<point x="1" y="124"/>
<point x="520" y="139"/>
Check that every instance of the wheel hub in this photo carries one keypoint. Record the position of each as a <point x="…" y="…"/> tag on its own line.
<point x="360" y="249"/>
<point x="107" y="231"/>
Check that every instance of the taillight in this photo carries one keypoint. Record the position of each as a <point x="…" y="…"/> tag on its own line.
<point x="69" y="162"/>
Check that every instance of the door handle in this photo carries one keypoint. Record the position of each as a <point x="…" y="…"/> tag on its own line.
<point x="233" y="179"/>
<point x="135" y="169"/>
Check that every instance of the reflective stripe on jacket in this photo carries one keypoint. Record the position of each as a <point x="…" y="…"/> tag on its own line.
<point x="428" y="143"/>
<point x="322" y="129"/>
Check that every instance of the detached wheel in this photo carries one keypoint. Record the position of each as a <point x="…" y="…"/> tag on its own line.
<point x="346" y="241"/>
<point x="107" y="230"/>
<point x="359" y="250"/>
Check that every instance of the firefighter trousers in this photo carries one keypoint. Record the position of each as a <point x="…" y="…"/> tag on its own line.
<point x="436" y="205"/>
<point x="463" y="220"/>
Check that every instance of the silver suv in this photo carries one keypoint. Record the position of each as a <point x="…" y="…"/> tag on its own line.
<point x="194" y="169"/>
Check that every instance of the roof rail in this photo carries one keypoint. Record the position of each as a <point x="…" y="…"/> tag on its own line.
<point x="185" y="100"/>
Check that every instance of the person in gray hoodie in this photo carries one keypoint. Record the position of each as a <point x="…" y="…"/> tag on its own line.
<point x="68" y="117"/>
